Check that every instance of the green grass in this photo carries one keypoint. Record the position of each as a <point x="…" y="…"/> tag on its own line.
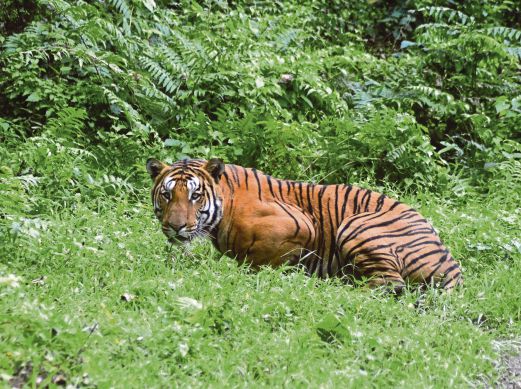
<point x="196" y="318"/>
<point x="358" y="92"/>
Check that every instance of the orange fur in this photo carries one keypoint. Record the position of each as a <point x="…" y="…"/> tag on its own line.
<point x="330" y="230"/>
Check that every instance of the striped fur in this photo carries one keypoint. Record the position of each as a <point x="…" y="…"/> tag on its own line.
<point x="330" y="230"/>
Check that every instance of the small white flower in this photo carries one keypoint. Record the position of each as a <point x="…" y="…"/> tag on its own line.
<point x="189" y="303"/>
<point x="183" y="349"/>
<point x="11" y="280"/>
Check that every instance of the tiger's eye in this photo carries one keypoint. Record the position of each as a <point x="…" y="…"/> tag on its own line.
<point x="166" y="195"/>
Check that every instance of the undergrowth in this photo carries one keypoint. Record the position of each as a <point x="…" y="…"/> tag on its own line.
<point x="413" y="99"/>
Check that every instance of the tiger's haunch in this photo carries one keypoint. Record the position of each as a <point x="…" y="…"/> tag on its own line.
<point x="330" y="230"/>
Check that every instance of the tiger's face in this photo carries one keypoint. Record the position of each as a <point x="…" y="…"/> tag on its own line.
<point x="186" y="197"/>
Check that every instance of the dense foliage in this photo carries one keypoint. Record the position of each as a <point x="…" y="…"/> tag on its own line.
<point x="421" y="99"/>
<point x="243" y="82"/>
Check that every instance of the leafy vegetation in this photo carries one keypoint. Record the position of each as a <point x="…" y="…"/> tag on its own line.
<point x="414" y="99"/>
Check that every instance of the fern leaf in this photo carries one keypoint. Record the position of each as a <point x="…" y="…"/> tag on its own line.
<point x="159" y="74"/>
<point x="122" y="7"/>
<point x="504" y="32"/>
<point x="448" y="14"/>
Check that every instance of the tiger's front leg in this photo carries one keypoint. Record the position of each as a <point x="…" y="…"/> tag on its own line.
<point x="274" y="235"/>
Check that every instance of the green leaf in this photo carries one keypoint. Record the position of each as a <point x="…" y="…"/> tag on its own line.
<point x="406" y="44"/>
<point x="150" y="5"/>
<point x="502" y="105"/>
<point x="172" y="142"/>
<point x="331" y="329"/>
<point x="33" y="97"/>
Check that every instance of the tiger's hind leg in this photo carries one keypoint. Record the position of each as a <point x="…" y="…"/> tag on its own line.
<point x="363" y="255"/>
<point x="390" y="247"/>
<point x="380" y="268"/>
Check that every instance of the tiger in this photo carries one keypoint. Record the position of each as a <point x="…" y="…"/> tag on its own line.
<point x="328" y="230"/>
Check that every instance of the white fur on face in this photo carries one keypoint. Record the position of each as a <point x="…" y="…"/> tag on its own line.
<point x="193" y="184"/>
<point x="169" y="183"/>
<point x="167" y="186"/>
<point x="208" y="216"/>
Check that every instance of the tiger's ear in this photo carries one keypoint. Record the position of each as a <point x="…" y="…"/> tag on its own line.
<point x="215" y="167"/>
<point x="154" y="167"/>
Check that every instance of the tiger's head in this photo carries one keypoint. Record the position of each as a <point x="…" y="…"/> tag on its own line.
<point x="186" y="196"/>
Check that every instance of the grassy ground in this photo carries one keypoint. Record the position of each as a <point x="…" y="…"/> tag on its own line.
<point x="422" y="98"/>
<point x="92" y="296"/>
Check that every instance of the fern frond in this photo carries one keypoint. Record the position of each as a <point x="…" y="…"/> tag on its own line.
<point x="193" y="51"/>
<point x="160" y="75"/>
<point x="433" y="26"/>
<point x="122" y="7"/>
<point x="173" y="61"/>
<point x="154" y="96"/>
<point x="285" y="38"/>
<point x="514" y="52"/>
<point x="432" y="92"/>
<point x="504" y="32"/>
<point x="448" y="14"/>
<point x="132" y="116"/>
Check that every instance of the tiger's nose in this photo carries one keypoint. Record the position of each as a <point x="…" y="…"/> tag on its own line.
<point x="176" y="227"/>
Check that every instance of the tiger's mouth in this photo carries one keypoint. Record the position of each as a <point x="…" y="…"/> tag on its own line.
<point x="185" y="237"/>
<point x="178" y="239"/>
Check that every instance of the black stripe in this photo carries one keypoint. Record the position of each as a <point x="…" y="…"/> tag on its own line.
<point x="364" y="197"/>
<point x="332" y="237"/>
<point x="456" y="276"/>
<point x="411" y="253"/>
<point x="299" y="202"/>
<point x="414" y="243"/>
<point x="228" y="233"/>
<point x="380" y="203"/>
<point x="321" y="246"/>
<point x="301" y="197"/>
<point x="245" y="177"/>
<point x="314" y="266"/>
<point x="396" y="203"/>
<point x="451" y="269"/>
<point x="377" y="259"/>
<point x="279" y="184"/>
<point x="440" y="263"/>
<point x="258" y="182"/>
<point x="228" y="182"/>
<point x="360" y="229"/>
<point x="346" y="198"/>
<point x="268" y="178"/>
<point x="352" y="219"/>
<point x="421" y="265"/>
<point x="355" y="202"/>
<point x="366" y="209"/>
<point x="217" y="209"/>
<point x="425" y="255"/>
<point x="425" y="243"/>
<point x="409" y="233"/>
<point x="308" y="195"/>
<point x="235" y="175"/>
<point x="336" y="206"/>
<point x="291" y="216"/>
